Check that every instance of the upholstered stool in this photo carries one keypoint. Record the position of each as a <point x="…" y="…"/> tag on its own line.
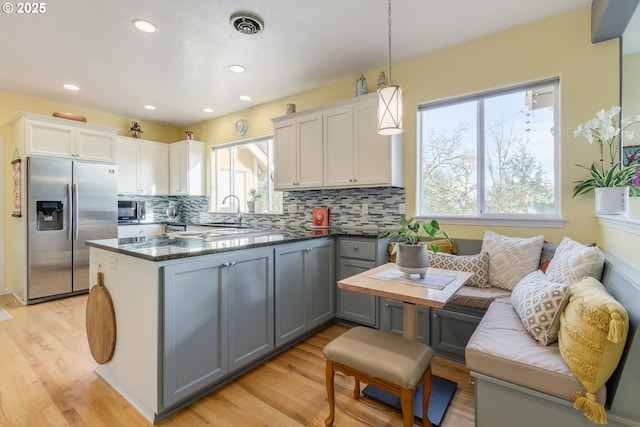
<point x="388" y="361"/>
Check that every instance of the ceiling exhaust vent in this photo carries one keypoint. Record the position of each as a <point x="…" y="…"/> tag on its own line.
<point x="246" y="23"/>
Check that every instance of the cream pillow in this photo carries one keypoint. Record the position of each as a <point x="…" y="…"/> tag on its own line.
<point x="511" y="258"/>
<point x="592" y="336"/>
<point x="539" y="304"/>
<point x="573" y="261"/>
<point x="476" y="264"/>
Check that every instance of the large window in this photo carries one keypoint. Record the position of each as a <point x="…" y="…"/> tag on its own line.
<point x="244" y="169"/>
<point x="492" y="155"/>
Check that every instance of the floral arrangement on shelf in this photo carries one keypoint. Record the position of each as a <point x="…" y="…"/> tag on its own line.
<point x="604" y="129"/>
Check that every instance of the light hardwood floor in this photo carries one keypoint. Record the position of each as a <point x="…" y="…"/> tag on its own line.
<point x="47" y="378"/>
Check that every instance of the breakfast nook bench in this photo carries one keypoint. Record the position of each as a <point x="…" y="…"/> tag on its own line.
<point x="390" y="362"/>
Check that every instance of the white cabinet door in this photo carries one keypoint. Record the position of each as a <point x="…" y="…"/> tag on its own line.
<point x="310" y="156"/>
<point x="373" y="156"/>
<point x="186" y="168"/>
<point x="154" y="167"/>
<point x="127" y="160"/>
<point x="95" y="146"/>
<point x="285" y="155"/>
<point x="338" y="147"/>
<point x="51" y="140"/>
<point x="143" y="166"/>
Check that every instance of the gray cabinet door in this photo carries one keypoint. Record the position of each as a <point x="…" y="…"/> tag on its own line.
<point x="250" y="289"/>
<point x="356" y="306"/>
<point x="305" y="287"/>
<point x="451" y="331"/>
<point x="320" y="277"/>
<point x="290" y="292"/>
<point x="194" y="327"/>
<point x="392" y="316"/>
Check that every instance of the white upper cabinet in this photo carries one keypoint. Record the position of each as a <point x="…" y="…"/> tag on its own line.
<point x="187" y="167"/>
<point x="143" y="166"/>
<point x="298" y="152"/>
<point x="342" y="147"/>
<point x="41" y="135"/>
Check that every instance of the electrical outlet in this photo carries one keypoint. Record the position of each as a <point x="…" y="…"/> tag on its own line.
<point x="365" y="209"/>
<point x="293" y="208"/>
<point x="402" y="208"/>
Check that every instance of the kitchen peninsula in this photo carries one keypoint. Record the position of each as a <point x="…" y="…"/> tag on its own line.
<point x="194" y="310"/>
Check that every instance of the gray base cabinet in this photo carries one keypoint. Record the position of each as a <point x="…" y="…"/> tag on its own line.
<point x="391" y="319"/>
<point x="218" y="317"/>
<point x="305" y="288"/>
<point x="356" y="255"/>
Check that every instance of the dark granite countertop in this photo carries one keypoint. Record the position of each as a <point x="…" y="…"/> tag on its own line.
<point x="183" y="245"/>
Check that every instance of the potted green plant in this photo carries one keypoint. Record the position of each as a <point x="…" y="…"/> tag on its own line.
<point x="412" y="255"/>
<point x="610" y="181"/>
<point x="254" y="196"/>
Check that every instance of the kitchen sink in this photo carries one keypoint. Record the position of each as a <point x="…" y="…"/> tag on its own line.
<point x="219" y="233"/>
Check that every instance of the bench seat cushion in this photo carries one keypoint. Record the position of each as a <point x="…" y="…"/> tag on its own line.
<point x="381" y="355"/>
<point x="502" y="348"/>
<point x="468" y="296"/>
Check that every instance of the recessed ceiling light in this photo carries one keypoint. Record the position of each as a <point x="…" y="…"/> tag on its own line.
<point x="146" y="26"/>
<point x="208" y="110"/>
<point x="236" y="68"/>
<point x="150" y="107"/>
<point x="245" y="97"/>
<point x="71" y="87"/>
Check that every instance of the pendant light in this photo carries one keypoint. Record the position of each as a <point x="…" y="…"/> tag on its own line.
<point x="390" y="102"/>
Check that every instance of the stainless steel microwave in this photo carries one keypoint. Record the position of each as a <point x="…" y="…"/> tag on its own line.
<point x="131" y="210"/>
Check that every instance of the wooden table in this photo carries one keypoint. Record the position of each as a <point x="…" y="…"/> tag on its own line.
<point x="410" y="295"/>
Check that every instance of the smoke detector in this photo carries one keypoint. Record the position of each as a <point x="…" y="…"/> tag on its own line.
<point x="246" y="23"/>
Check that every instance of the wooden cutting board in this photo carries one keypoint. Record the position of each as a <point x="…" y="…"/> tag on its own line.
<point x="101" y="322"/>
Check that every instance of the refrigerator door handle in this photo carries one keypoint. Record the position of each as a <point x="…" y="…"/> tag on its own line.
<point x="76" y="214"/>
<point x="69" y="211"/>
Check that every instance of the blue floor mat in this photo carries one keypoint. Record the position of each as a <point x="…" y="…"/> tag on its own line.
<point x="441" y="393"/>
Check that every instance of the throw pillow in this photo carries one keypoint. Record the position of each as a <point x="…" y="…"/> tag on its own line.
<point x="573" y="261"/>
<point x="593" y="333"/>
<point x="476" y="264"/>
<point x="539" y="304"/>
<point x="548" y="250"/>
<point x="511" y="258"/>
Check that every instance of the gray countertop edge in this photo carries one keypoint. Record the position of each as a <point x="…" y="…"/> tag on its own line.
<point x="290" y="237"/>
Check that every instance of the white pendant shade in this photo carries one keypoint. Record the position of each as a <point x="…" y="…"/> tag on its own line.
<point x="390" y="112"/>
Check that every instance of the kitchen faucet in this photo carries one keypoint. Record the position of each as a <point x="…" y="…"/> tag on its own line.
<point x="238" y="215"/>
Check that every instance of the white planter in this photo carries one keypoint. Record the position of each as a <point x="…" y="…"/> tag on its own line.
<point x="412" y="259"/>
<point x="612" y="200"/>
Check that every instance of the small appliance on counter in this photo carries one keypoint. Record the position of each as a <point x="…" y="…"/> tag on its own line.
<point x="320" y="218"/>
<point x="172" y="211"/>
<point x="131" y="210"/>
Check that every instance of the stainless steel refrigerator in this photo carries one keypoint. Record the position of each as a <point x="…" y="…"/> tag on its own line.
<point x="69" y="202"/>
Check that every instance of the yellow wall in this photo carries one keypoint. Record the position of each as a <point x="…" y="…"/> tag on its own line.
<point x="12" y="103"/>
<point x="560" y="46"/>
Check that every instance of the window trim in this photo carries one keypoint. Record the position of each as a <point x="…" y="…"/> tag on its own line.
<point x="554" y="220"/>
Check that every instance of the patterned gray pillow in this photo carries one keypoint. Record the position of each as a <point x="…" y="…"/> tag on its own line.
<point x="511" y="258"/>
<point x="573" y="261"/>
<point x="539" y="303"/>
<point x="476" y="264"/>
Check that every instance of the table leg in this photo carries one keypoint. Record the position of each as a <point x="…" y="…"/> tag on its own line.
<point x="410" y="321"/>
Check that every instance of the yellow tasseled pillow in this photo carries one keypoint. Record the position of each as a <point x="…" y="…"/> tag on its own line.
<point x="593" y="333"/>
<point x="443" y="244"/>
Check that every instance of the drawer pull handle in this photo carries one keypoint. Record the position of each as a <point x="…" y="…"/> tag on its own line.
<point x="355" y="248"/>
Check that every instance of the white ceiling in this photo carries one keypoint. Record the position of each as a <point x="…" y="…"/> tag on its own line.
<point x="183" y="67"/>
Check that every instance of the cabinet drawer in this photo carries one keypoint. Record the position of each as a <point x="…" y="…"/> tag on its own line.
<point x="358" y="249"/>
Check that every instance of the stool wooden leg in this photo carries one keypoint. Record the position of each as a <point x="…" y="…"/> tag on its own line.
<point x="426" y="395"/>
<point x="356" y="389"/>
<point x="330" y="394"/>
<point x="406" y="403"/>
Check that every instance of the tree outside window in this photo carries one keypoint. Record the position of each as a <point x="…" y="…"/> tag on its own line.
<point x="244" y="169"/>
<point x="491" y="155"/>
